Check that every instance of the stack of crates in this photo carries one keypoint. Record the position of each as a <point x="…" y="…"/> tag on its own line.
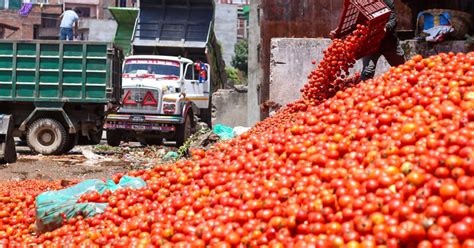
<point x="372" y="13"/>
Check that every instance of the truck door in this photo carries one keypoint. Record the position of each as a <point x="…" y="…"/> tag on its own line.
<point x="192" y="83"/>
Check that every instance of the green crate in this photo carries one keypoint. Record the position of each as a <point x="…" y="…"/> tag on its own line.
<point x="49" y="77"/>
<point x="6" y="62"/>
<point x="6" y="49"/>
<point x="49" y="63"/>
<point x="25" y="90"/>
<point x="5" y="90"/>
<point x="73" y="50"/>
<point x="95" y="78"/>
<point x="72" y="77"/>
<point x="96" y="51"/>
<point x="49" y="50"/>
<point x="5" y="76"/>
<point x="49" y="91"/>
<point x="25" y="76"/>
<point x="95" y="92"/>
<point x="26" y="49"/>
<point x="96" y="64"/>
<point x="72" y="64"/>
<point x="26" y="63"/>
<point x="72" y="92"/>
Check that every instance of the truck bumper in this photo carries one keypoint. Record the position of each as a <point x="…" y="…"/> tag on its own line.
<point x="142" y="122"/>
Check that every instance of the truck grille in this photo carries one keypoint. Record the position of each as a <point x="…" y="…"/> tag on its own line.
<point x="141" y="100"/>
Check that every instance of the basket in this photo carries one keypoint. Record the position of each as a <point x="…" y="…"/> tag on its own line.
<point x="461" y="21"/>
<point x="373" y="13"/>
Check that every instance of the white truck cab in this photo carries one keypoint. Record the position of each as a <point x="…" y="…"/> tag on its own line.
<point x="161" y="95"/>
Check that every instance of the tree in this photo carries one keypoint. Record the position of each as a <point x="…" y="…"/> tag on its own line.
<point x="240" y="59"/>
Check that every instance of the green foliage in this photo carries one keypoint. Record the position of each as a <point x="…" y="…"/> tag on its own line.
<point x="233" y="75"/>
<point x="240" y="59"/>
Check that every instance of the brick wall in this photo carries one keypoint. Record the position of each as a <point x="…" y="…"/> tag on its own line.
<point x="25" y="24"/>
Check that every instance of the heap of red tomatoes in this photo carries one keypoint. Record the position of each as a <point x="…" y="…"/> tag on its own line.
<point x="386" y="163"/>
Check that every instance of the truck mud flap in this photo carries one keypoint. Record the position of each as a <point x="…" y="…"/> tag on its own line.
<point x="7" y="143"/>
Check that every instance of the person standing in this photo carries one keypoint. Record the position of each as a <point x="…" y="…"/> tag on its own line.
<point x="68" y="27"/>
<point x="390" y="47"/>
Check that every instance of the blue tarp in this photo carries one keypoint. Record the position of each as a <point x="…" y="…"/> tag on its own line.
<point x="53" y="207"/>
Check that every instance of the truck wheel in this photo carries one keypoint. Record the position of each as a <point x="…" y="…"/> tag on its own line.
<point x="96" y="137"/>
<point x="184" y="131"/>
<point x="10" y="151"/>
<point x="113" y="138"/>
<point x="47" y="137"/>
<point x="70" y="144"/>
<point x="93" y="139"/>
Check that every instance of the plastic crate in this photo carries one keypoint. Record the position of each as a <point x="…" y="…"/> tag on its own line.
<point x="373" y="13"/>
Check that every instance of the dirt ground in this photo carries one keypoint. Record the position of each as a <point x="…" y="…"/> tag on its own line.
<point x="83" y="162"/>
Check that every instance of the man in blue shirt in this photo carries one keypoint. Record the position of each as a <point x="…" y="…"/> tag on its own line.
<point x="69" y="21"/>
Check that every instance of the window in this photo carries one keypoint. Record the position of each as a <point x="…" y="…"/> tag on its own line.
<point x="49" y="20"/>
<point x="155" y="67"/>
<point x="85" y="11"/>
<point x="190" y="72"/>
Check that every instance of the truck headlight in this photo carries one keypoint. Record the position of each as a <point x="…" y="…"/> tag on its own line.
<point x="169" y="108"/>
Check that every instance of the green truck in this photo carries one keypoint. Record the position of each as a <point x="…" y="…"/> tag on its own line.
<point x="57" y="93"/>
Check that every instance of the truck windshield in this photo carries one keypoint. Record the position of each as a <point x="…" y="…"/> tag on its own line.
<point x="156" y="67"/>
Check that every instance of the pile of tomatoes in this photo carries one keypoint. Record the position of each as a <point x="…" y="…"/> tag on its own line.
<point x="388" y="162"/>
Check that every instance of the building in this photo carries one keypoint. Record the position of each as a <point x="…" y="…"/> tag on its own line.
<point x="42" y="22"/>
<point x="231" y="25"/>
<point x="243" y="8"/>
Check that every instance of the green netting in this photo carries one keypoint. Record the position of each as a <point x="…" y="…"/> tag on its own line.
<point x="125" y="18"/>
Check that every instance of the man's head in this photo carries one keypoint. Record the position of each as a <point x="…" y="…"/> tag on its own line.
<point x="78" y="11"/>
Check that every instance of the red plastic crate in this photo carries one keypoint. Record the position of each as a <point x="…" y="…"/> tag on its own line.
<point x="373" y="13"/>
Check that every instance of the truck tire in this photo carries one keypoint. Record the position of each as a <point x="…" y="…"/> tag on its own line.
<point x="93" y="139"/>
<point x="70" y="143"/>
<point x="46" y="136"/>
<point x="113" y="138"/>
<point x="184" y="131"/>
<point x="10" y="151"/>
<point x="96" y="137"/>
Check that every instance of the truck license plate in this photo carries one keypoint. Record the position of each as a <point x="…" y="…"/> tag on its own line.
<point x="138" y="127"/>
<point x="138" y="118"/>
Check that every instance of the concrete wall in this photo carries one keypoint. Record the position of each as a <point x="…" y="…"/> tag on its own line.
<point x="255" y="71"/>
<point x="230" y="107"/>
<point x="98" y="30"/>
<point x="290" y="62"/>
<point x="225" y="27"/>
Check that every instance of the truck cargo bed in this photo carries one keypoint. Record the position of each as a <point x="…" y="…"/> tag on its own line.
<point x="54" y="71"/>
<point x="172" y="24"/>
